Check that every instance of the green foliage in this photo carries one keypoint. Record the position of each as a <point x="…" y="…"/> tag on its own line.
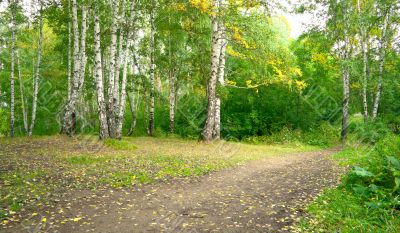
<point x="368" y="198"/>
<point x="370" y="132"/>
<point x="119" y="144"/>
<point x="324" y="136"/>
<point x="4" y="122"/>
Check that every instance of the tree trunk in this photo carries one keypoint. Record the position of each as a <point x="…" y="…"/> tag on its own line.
<point x="382" y="54"/>
<point x="364" y="48"/>
<point x="365" y="75"/>
<point x="37" y="75"/>
<point x="132" y="103"/>
<point x="22" y="96"/>
<point x="346" y="102"/>
<point x="172" y="100"/>
<point x="69" y="50"/>
<point x="69" y="119"/>
<point x="117" y="68"/>
<point x="12" y="79"/>
<point x="122" y="102"/>
<point x="133" y="100"/>
<point x="101" y="105"/>
<point x="152" y="71"/>
<point x="82" y="50"/>
<point x="345" y="77"/>
<point x="221" y="82"/>
<point x="111" y="76"/>
<point x="211" y="88"/>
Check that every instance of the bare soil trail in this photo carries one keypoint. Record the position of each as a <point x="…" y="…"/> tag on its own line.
<point x="261" y="196"/>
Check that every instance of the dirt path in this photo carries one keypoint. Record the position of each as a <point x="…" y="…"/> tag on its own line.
<point x="262" y="196"/>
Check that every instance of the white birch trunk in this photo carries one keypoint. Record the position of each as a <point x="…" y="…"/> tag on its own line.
<point x="101" y="105"/>
<point x="152" y="71"/>
<point x="111" y="75"/>
<point x="37" y="75"/>
<point x="172" y="100"/>
<point x="364" y="48"/>
<point x="133" y="100"/>
<point x="221" y="82"/>
<point x="22" y="96"/>
<point x="382" y="54"/>
<point x="12" y="78"/>
<point x="69" y="118"/>
<point x="345" y="77"/>
<point x="212" y="83"/>
<point x="69" y="50"/>
<point x="122" y="102"/>
<point x="82" y="50"/>
<point x="117" y="68"/>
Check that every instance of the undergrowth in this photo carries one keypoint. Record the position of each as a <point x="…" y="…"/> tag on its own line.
<point x="368" y="199"/>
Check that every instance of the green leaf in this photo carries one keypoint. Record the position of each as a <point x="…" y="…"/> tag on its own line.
<point x="397" y="182"/>
<point x="362" y="172"/>
<point x="394" y="161"/>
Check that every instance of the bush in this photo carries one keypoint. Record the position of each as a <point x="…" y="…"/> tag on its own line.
<point x="379" y="180"/>
<point x="324" y="136"/>
<point x="368" y="200"/>
<point x="370" y="132"/>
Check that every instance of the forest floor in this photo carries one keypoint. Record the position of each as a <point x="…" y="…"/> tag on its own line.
<point x="56" y="184"/>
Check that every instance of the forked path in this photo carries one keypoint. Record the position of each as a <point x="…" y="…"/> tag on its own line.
<point x="262" y="196"/>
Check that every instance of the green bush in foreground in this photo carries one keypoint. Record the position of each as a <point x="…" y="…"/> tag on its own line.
<point x="368" y="200"/>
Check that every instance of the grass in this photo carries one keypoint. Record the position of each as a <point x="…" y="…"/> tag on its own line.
<point x="343" y="209"/>
<point x="38" y="171"/>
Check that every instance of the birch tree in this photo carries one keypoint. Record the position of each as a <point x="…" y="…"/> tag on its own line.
<point x="152" y="69"/>
<point x="98" y="72"/>
<point x="13" y="8"/>
<point x="122" y="98"/>
<point x="221" y="81"/>
<point x="345" y="53"/>
<point x="37" y="73"/>
<point x="69" y="118"/>
<point x="212" y="82"/>
<point x="22" y="96"/>
<point x="364" y="49"/>
<point x="69" y="50"/>
<point x="132" y="99"/>
<point x="111" y="74"/>
<point x="382" y="53"/>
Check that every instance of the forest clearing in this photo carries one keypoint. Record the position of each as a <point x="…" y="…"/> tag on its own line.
<point x="130" y="186"/>
<point x="199" y="116"/>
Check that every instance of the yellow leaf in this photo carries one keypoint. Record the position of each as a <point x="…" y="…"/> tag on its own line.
<point x="34" y="214"/>
<point x="76" y="219"/>
<point x="44" y="219"/>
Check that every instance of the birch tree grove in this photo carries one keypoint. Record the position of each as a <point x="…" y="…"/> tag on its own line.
<point x="211" y="69"/>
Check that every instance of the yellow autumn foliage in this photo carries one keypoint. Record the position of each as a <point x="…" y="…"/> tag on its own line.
<point x="205" y="6"/>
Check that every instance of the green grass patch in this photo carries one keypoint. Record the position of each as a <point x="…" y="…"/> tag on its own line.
<point x="119" y="144"/>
